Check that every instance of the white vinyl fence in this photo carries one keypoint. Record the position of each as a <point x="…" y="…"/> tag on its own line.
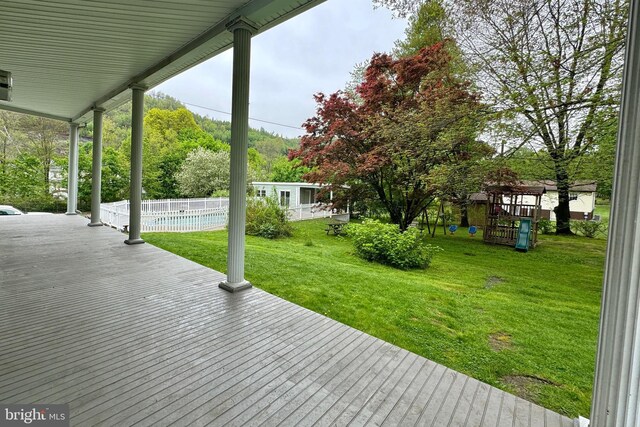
<point x="170" y="214"/>
<point x="184" y="215"/>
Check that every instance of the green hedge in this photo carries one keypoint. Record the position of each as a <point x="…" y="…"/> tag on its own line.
<point x="36" y="203"/>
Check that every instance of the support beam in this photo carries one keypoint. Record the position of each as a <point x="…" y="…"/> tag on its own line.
<point x="96" y="168"/>
<point x="616" y="402"/>
<point x="9" y="107"/>
<point x="242" y="32"/>
<point x="72" y="178"/>
<point x="135" y="192"/>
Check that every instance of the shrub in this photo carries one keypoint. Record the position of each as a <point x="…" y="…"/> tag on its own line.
<point x="266" y="218"/>
<point x="384" y="243"/>
<point x="38" y="203"/>
<point x="588" y="228"/>
<point x="546" y="227"/>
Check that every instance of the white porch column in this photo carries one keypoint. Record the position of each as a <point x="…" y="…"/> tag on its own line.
<point x="96" y="168"/>
<point x="616" y="401"/>
<point x="135" y="192"/>
<point x="242" y="31"/>
<point x="72" y="179"/>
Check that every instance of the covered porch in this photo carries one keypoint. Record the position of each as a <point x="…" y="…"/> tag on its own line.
<point x="141" y="336"/>
<point x="134" y="333"/>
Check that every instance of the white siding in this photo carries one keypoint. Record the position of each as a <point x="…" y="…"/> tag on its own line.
<point x="586" y="202"/>
<point x="292" y="187"/>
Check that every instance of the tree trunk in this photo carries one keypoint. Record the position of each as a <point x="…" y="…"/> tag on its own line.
<point x="464" y="215"/>
<point x="403" y="223"/>
<point x="397" y="218"/>
<point x="562" y="211"/>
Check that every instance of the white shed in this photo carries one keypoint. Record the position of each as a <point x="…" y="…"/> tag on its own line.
<point x="582" y="199"/>
<point x="290" y="194"/>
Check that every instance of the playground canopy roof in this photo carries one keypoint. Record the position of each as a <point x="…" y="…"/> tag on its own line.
<point x="67" y="57"/>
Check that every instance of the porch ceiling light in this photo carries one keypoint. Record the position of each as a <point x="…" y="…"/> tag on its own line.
<point x="6" y="84"/>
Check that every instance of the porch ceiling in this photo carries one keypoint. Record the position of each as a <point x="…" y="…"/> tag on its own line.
<point x="67" y="56"/>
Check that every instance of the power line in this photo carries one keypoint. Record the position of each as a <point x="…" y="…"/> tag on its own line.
<point x="250" y="118"/>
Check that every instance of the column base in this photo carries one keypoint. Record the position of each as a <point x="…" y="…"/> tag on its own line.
<point x="71" y="213"/>
<point x="234" y="287"/>
<point x="95" y="224"/>
<point x="134" y="241"/>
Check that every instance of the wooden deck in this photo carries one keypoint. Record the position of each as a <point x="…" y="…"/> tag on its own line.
<point x="137" y="335"/>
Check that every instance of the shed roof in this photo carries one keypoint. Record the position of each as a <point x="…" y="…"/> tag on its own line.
<point x="576" y="186"/>
<point x="289" y="184"/>
<point x="68" y="56"/>
<point x="517" y="189"/>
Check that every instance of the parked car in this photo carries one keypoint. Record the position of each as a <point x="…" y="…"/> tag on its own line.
<point x="9" y="210"/>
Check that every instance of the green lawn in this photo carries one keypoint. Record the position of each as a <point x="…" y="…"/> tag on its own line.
<point x="524" y="322"/>
<point x="603" y="210"/>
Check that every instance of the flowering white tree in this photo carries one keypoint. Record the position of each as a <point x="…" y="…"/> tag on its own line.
<point x="203" y="173"/>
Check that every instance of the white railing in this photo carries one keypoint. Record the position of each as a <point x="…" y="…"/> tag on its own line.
<point x="310" y="211"/>
<point x="183" y="215"/>
<point x="170" y="214"/>
<point x="115" y="214"/>
<point x="182" y="221"/>
<point x="169" y="205"/>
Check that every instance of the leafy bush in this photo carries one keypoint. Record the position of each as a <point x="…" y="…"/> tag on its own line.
<point x="546" y="227"/>
<point x="384" y="243"/>
<point x="266" y="218"/>
<point x="588" y="228"/>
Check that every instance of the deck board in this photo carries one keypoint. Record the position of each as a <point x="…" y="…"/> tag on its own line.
<point x="136" y="335"/>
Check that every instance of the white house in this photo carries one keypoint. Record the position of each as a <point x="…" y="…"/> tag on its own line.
<point x="290" y="194"/>
<point x="301" y="198"/>
<point x="582" y="199"/>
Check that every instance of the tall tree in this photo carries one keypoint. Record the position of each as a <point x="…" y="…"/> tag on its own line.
<point x="411" y="122"/>
<point x="285" y="170"/>
<point x="271" y="150"/>
<point x="402" y="8"/>
<point x="45" y="139"/>
<point x="426" y="27"/>
<point x="204" y="172"/>
<point x="551" y="66"/>
<point x="162" y="154"/>
<point x="7" y="145"/>
<point x="598" y="164"/>
<point x="430" y="24"/>
<point x="115" y="175"/>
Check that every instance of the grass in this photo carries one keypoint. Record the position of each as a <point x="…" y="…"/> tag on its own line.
<point x="524" y="322"/>
<point x="603" y="209"/>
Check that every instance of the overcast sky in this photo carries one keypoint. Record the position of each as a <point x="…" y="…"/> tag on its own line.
<point x="313" y="52"/>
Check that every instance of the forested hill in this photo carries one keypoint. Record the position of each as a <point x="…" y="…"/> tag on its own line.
<point x="34" y="153"/>
<point x="220" y="130"/>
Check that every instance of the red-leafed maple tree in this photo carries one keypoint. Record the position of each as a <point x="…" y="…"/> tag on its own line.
<point x="400" y="139"/>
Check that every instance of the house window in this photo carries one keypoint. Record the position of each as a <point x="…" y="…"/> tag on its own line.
<point x="573" y="196"/>
<point x="285" y="198"/>
<point x="262" y="193"/>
